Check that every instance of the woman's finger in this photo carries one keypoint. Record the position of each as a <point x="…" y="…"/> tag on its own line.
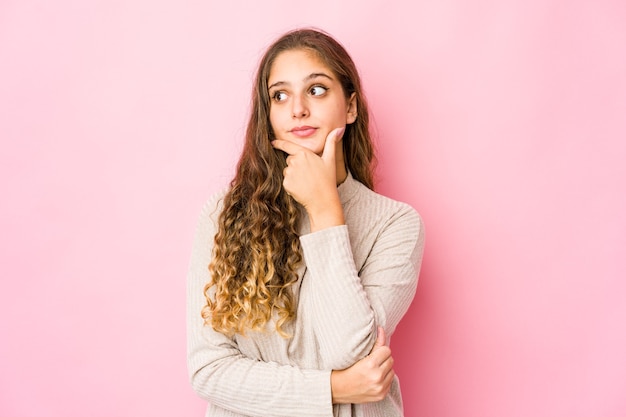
<point x="328" y="154"/>
<point x="288" y="147"/>
<point x="380" y="355"/>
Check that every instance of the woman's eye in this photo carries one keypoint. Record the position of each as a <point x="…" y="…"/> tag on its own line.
<point x="279" y="96"/>
<point x="318" y="90"/>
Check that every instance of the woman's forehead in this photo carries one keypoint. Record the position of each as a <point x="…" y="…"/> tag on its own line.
<point x="296" y="65"/>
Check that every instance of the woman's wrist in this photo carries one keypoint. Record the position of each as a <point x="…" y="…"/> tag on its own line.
<point x="326" y="220"/>
<point x="338" y="387"/>
<point x="327" y="214"/>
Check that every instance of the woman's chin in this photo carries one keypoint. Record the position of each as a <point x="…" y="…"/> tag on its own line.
<point x="315" y="145"/>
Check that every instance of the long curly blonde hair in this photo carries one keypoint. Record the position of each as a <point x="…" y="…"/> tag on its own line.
<point x="256" y="253"/>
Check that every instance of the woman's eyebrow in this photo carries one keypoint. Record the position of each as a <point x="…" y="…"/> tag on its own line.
<point x="317" y="74"/>
<point x="307" y="78"/>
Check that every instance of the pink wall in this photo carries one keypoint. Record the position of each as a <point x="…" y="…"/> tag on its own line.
<point x="502" y="122"/>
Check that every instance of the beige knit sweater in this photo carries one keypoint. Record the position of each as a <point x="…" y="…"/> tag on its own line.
<point x="357" y="277"/>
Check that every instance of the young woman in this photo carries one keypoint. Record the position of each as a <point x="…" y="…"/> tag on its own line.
<point x="300" y="272"/>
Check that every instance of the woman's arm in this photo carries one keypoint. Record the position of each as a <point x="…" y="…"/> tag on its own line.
<point x="356" y="285"/>
<point x="362" y="275"/>
<point x="226" y="378"/>
<point x="220" y="373"/>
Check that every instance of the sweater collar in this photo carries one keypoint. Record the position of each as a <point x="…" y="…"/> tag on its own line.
<point x="348" y="188"/>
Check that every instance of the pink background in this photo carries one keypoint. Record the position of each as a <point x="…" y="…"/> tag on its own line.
<point x="502" y="122"/>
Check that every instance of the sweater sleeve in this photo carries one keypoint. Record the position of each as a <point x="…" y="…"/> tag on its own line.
<point x="350" y="303"/>
<point x="221" y="374"/>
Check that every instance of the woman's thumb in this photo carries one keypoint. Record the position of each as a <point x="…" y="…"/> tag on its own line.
<point x="331" y="141"/>
<point x="381" y="339"/>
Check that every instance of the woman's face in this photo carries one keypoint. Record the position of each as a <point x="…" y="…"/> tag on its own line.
<point x="306" y="100"/>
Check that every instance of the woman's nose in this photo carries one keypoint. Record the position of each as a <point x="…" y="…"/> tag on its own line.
<point x="299" y="107"/>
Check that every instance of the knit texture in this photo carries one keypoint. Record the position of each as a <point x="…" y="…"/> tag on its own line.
<point x="356" y="277"/>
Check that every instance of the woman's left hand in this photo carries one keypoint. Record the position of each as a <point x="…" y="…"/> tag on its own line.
<point x="367" y="380"/>
<point x="312" y="180"/>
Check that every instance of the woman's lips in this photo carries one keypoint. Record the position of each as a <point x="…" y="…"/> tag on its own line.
<point x="303" y="131"/>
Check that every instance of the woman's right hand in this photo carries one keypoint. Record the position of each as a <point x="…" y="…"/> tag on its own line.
<point x="311" y="180"/>
<point x="368" y="380"/>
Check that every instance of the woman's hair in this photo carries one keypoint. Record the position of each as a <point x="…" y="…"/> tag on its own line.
<point x="257" y="250"/>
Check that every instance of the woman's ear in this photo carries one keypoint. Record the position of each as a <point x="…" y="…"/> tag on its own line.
<point x="352" y="109"/>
